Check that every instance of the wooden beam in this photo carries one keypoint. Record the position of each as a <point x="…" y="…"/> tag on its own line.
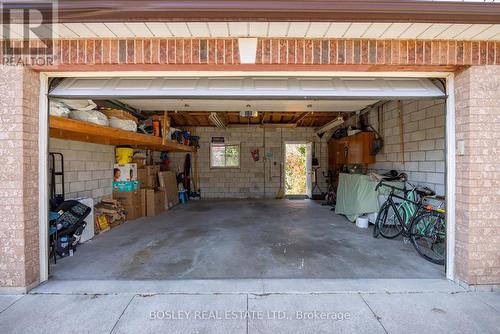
<point x="298" y="118"/>
<point x="165" y="127"/>
<point x="279" y="125"/>
<point x="248" y="67"/>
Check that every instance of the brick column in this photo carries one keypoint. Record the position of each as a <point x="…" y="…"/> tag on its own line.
<point x="19" y="260"/>
<point x="477" y="253"/>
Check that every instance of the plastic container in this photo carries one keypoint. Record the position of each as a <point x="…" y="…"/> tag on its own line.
<point x="362" y="222"/>
<point x="123" y="155"/>
<point x="372" y="217"/>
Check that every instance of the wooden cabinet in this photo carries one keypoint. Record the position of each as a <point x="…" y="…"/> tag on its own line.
<point x="352" y="150"/>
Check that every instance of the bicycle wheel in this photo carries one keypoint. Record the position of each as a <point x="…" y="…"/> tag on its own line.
<point x="382" y="213"/>
<point x="391" y="227"/>
<point x="428" y="235"/>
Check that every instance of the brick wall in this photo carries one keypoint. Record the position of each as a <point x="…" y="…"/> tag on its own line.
<point x="254" y="179"/>
<point x="384" y="52"/>
<point x="88" y="168"/>
<point x="477" y="257"/>
<point x="19" y="261"/>
<point x="423" y="137"/>
<point x="274" y="51"/>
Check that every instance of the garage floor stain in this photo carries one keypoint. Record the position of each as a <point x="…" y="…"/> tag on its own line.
<point x="218" y="239"/>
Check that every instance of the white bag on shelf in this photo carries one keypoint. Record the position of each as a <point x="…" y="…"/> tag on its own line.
<point x="80" y="104"/>
<point x="123" y="124"/>
<point x="58" y="109"/>
<point x="91" y="116"/>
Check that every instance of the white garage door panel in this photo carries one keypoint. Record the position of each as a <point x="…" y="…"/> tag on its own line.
<point x="254" y="87"/>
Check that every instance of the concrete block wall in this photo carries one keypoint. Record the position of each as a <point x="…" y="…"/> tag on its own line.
<point x="88" y="168"/>
<point x="423" y="136"/>
<point x="254" y="179"/>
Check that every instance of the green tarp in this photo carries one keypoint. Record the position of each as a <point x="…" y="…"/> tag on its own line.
<point x="356" y="195"/>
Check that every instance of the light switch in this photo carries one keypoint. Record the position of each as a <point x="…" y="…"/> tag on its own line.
<point x="460" y="147"/>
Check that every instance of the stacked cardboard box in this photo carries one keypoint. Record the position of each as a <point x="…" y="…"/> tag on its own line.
<point x="155" y="202"/>
<point x="153" y="197"/>
<point x="148" y="176"/>
<point x="126" y="189"/>
<point x="168" y="183"/>
<point x="131" y="202"/>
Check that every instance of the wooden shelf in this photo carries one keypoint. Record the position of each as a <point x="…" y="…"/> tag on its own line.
<point x="70" y="129"/>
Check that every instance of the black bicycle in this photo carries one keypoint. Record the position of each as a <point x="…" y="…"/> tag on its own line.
<point x="405" y="212"/>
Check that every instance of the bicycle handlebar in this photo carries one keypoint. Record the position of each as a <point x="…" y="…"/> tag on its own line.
<point x="381" y="183"/>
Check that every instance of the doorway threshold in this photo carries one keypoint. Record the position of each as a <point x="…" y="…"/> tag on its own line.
<point x="247" y="286"/>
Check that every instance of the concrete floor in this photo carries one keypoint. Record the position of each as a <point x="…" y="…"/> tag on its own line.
<point x="220" y="239"/>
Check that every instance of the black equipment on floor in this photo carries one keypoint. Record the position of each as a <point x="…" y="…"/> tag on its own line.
<point x="68" y="227"/>
<point x="56" y="198"/>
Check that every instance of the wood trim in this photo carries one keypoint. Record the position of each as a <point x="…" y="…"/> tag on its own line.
<point x="248" y="67"/>
<point x="278" y="10"/>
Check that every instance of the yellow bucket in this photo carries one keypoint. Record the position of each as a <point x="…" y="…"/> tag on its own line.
<point x="124" y="155"/>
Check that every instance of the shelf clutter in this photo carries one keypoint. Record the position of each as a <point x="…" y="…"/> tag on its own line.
<point x="140" y="187"/>
<point x="70" y="129"/>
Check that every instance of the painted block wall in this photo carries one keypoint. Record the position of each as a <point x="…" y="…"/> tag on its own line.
<point x="88" y="168"/>
<point x="254" y="179"/>
<point x="423" y="136"/>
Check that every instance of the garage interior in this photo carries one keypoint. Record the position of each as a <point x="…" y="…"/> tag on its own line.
<point x="237" y="223"/>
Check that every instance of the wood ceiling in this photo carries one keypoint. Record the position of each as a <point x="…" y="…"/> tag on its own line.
<point x="283" y="119"/>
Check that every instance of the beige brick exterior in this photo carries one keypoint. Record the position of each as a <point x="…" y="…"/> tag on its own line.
<point x="477" y="253"/>
<point x="19" y="89"/>
<point x="477" y="181"/>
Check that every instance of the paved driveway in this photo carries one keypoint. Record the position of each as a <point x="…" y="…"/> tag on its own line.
<point x="251" y="306"/>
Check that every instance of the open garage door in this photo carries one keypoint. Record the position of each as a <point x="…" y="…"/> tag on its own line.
<point x="241" y="127"/>
<point x="290" y="88"/>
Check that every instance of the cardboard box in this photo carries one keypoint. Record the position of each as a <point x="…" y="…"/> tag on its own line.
<point x="152" y="169"/>
<point x="131" y="201"/>
<point x="124" y="186"/>
<point x="125" y="172"/>
<point x="148" y="176"/>
<point x="168" y="183"/>
<point x="155" y="202"/>
<point x="128" y="198"/>
<point x="143" y="203"/>
<point x="134" y="211"/>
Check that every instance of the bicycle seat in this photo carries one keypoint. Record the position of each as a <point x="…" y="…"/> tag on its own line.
<point x="424" y="191"/>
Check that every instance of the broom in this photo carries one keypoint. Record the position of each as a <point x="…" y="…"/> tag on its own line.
<point x="280" y="194"/>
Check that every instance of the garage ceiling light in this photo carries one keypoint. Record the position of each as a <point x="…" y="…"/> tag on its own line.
<point x="215" y="120"/>
<point x="330" y="125"/>
<point x="249" y="113"/>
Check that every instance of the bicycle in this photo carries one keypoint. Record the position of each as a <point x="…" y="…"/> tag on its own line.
<point x="331" y="194"/>
<point x="418" y="222"/>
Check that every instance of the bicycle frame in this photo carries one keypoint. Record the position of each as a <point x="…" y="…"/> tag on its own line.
<point x="408" y="205"/>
